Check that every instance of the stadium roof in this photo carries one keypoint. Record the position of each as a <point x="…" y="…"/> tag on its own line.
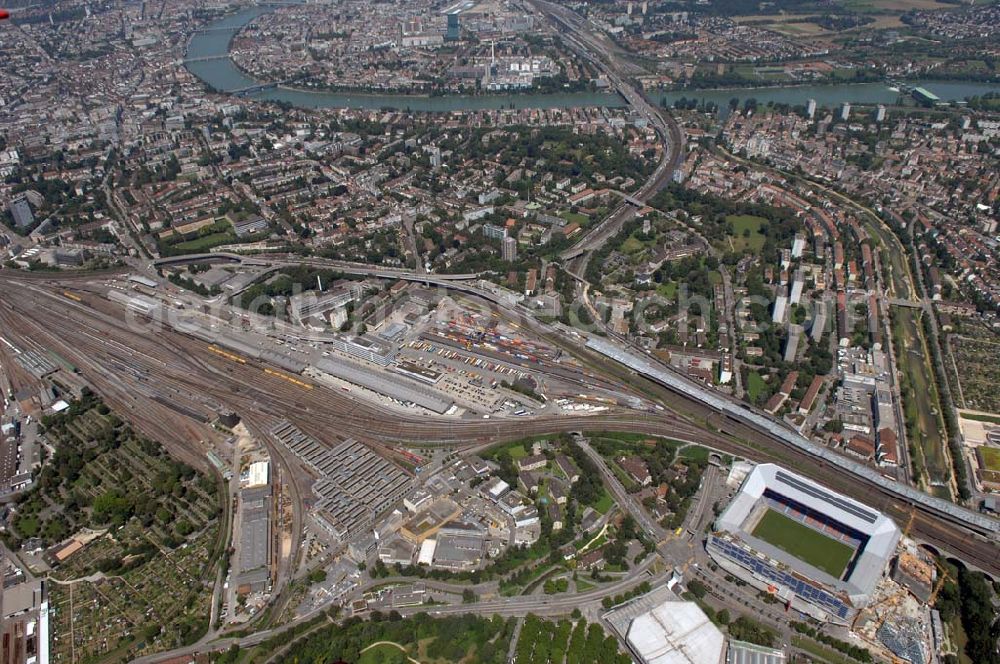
<point x="459" y="7"/>
<point x="874" y="555"/>
<point x="676" y="633"/>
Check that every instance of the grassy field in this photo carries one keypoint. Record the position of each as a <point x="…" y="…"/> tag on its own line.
<point x="695" y="453"/>
<point x="979" y="417"/>
<point x="517" y="452"/>
<point x="203" y="243"/>
<point x="517" y="449"/>
<point x="668" y="290"/>
<point x="575" y="217"/>
<point x="879" y="6"/>
<point x="746" y="234"/>
<point x="605" y="503"/>
<point x="633" y="245"/>
<point x="755" y="385"/>
<point x="991" y="457"/>
<point x="804" y="543"/>
<point x="819" y="651"/>
<point x="924" y="425"/>
<point x="383" y="653"/>
<point x="806" y="29"/>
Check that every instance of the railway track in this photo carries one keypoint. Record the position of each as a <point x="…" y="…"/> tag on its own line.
<point x="199" y="377"/>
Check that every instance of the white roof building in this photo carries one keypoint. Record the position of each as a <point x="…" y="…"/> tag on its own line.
<point x="258" y="474"/>
<point x="427" y="549"/>
<point x="778" y="315"/>
<point x="495" y="488"/>
<point x="676" y="633"/>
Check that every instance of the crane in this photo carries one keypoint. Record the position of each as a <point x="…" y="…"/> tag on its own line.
<point x="945" y="576"/>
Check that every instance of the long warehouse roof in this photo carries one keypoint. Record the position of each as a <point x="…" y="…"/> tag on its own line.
<point x="390" y="385"/>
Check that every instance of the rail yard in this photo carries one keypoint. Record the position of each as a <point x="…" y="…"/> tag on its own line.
<point x="499" y="332"/>
<point x="174" y="380"/>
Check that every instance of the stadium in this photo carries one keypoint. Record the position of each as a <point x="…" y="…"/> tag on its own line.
<point x="820" y="552"/>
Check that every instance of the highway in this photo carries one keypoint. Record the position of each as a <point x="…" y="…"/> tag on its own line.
<point x="621" y="496"/>
<point x="604" y="56"/>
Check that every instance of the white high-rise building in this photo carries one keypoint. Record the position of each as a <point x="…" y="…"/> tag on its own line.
<point x="845" y="111"/>
<point x="880" y="113"/>
<point x="811" y="108"/>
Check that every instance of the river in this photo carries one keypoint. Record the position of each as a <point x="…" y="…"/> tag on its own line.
<point x="829" y="96"/>
<point x="222" y="74"/>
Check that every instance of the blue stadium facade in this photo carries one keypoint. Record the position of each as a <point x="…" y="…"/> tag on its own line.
<point x="803" y="586"/>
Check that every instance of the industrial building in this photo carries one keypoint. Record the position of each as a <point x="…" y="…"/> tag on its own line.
<point x="396" y="387"/>
<point x="429" y="521"/>
<point x="365" y="347"/>
<point x="741" y="652"/>
<point x="925" y="96"/>
<point x="253" y="564"/>
<point x="459" y="547"/>
<point x="821" y="552"/>
<point x="355" y="484"/>
<point x="25" y="619"/>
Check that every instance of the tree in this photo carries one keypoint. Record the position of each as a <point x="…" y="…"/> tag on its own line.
<point x="697" y="588"/>
<point x="112" y="507"/>
<point x="745" y="629"/>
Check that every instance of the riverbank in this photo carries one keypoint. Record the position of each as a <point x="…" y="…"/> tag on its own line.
<point x="827" y="95"/>
<point x="221" y="73"/>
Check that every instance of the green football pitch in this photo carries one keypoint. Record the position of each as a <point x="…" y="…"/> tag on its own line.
<point x="802" y="542"/>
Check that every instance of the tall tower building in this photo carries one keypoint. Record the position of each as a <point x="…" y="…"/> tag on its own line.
<point x="509" y="249"/>
<point x="21" y="211"/>
<point x="811" y="108"/>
